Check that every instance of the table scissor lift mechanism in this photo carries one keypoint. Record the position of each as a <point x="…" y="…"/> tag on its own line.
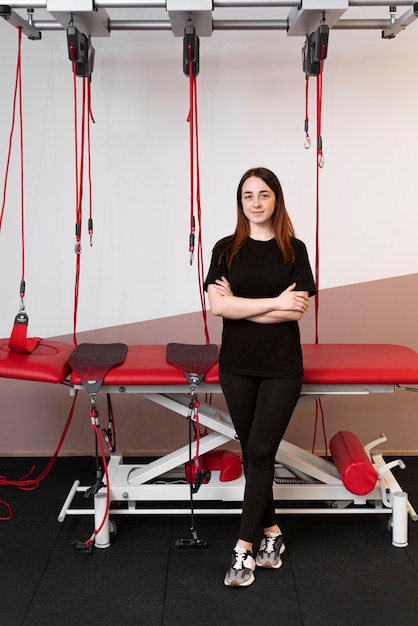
<point x="312" y="485"/>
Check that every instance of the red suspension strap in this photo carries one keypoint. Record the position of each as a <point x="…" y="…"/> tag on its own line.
<point x="17" y="91"/>
<point x="90" y="119"/>
<point x="191" y="69"/>
<point x="307" y="137"/>
<point x="193" y="134"/>
<point x="319" y="410"/>
<point x="81" y="54"/>
<point x="79" y="155"/>
<point x="18" y="341"/>
<point x="77" y="245"/>
<point x="314" y="54"/>
<point x="319" y="166"/>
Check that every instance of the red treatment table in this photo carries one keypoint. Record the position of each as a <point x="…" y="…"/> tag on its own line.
<point x="329" y="369"/>
<point x="304" y="483"/>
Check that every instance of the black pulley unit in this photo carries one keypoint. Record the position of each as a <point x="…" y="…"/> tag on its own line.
<point x="190" y="50"/>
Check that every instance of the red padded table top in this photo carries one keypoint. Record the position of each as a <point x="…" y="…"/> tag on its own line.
<point x="325" y="364"/>
<point x="48" y="363"/>
<point x="351" y="364"/>
<point x="147" y="365"/>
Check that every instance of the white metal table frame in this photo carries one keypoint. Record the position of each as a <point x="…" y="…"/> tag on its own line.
<point x="144" y="487"/>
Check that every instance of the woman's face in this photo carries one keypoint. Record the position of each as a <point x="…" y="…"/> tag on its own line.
<point x="258" y="201"/>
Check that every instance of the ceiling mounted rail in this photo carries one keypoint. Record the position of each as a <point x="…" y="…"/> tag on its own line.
<point x="161" y="4"/>
<point x="91" y="16"/>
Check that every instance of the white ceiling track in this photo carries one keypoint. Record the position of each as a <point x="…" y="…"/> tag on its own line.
<point x="91" y="16"/>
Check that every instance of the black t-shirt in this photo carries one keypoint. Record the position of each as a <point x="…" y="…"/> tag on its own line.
<point x="258" y="271"/>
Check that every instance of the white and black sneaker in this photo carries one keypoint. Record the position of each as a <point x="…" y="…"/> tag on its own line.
<point x="271" y="548"/>
<point x="241" y="572"/>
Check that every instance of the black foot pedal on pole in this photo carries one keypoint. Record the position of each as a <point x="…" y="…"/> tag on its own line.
<point x="91" y="491"/>
<point x="82" y="547"/>
<point x="194" y="542"/>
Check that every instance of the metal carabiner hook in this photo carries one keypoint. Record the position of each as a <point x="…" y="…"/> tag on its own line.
<point x="93" y="401"/>
<point x="321" y="160"/>
<point x="77" y="247"/>
<point x="307" y="143"/>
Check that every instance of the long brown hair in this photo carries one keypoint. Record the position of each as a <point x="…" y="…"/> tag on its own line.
<point x="281" y="223"/>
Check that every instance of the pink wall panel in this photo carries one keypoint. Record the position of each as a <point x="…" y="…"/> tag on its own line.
<point x="384" y="311"/>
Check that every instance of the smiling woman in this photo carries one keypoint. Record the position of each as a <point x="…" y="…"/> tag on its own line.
<point x="259" y="282"/>
<point x="258" y="204"/>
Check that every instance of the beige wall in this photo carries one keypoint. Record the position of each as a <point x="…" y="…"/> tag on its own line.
<point x="33" y="415"/>
<point x="251" y="111"/>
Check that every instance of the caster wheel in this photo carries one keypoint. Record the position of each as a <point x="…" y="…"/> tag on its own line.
<point x="113" y="528"/>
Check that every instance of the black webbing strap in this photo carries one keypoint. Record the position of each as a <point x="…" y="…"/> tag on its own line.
<point x="92" y="361"/>
<point x="193" y="360"/>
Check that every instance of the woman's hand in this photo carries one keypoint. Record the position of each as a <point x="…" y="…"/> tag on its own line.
<point x="291" y="300"/>
<point x="223" y="287"/>
<point x="290" y="305"/>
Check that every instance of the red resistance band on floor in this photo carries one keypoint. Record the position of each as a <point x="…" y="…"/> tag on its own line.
<point x="26" y="483"/>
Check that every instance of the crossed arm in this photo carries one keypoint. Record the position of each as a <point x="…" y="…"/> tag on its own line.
<point x="290" y="305"/>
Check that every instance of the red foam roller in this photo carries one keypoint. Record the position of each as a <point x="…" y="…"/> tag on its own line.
<point x="354" y="466"/>
<point x="226" y="461"/>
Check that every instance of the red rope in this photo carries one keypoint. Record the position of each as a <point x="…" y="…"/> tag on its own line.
<point x="79" y="153"/>
<point x="90" y="119"/>
<point x="318" y="157"/>
<point x="107" y="506"/>
<point x="17" y="97"/>
<point x="195" y="175"/>
<point x="16" y="91"/>
<point x="77" y="246"/>
<point x="77" y="207"/>
<point x="190" y="119"/>
<point x="29" y="484"/>
<point x="9" y="511"/>
<point x="308" y="139"/>
<point x="196" y="405"/>
<point x="319" y="164"/>
<point x="22" y="177"/>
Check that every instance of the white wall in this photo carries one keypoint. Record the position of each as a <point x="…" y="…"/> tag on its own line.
<point x="251" y="111"/>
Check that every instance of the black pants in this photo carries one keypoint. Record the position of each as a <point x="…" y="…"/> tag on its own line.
<point x="260" y="409"/>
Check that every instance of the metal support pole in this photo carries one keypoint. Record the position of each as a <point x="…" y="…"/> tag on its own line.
<point x="400" y="519"/>
<point x="102" y="539"/>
